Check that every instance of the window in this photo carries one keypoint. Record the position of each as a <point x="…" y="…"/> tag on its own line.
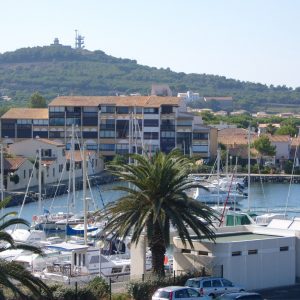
<point x="192" y="293"/>
<point x="150" y="110"/>
<point x="151" y="135"/>
<point x="53" y="172"/>
<point x="108" y="124"/>
<point x="73" y="121"/>
<point x="200" y="136"/>
<point x="56" y="109"/>
<point x="115" y="270"/>
<point x="94" y="259"/>
<point x="60" y="168"/>
<point x="123" y="110"/>
<point x="46" y="152"/>
<point x="107" y="147"/>
<point x="181" y="294"/>
<point x="150" y="123"/>
<point x="203" y="253"/>
<point x="236" y="253"/>
<point x="23" y="122"/>
<point x="166" y="109"/>
<point x="250" y="252"/>
<point x="89" y="134"/>
<point x="227" y="283"/>
<point x="193" y="283"/>
<point x="216" y="283"/>
<point x="138" y="110"/>
<point x="24" y="175"/>
<point x="284" y="248"/>
<point x="200" y="148"/>
<point x="107" y="133"/>
<point x="184" y="122"/>
<point x="108" y="109"/>
<point x="92" y="147"/>
<point x="57" y="121"/>
<point x="40" y="122"/>
<point x="207" y="283"/>
<point x="90" y="109"/>
<point x="185" y="251"/>
<point x="168" y="134"/>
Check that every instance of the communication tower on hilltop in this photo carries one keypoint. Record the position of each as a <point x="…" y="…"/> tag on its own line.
<point x="79" y="40"/>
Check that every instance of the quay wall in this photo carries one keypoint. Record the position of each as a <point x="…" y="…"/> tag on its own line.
<point x="51" y="190"/>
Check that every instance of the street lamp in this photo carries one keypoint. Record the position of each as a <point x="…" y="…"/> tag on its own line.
<point x="230" y="157"/>
<point x="100" y="245"/>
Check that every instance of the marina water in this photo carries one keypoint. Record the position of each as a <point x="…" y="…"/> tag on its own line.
<point x="266" y="197"/>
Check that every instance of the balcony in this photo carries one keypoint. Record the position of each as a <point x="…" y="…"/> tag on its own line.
<point x="167" y="127"/>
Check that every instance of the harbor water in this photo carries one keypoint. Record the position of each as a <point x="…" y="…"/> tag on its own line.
<point x="266" y="197"/>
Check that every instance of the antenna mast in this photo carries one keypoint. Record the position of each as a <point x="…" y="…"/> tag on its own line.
<point x="79" y="40"/>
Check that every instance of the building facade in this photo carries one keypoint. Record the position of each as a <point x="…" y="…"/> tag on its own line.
<point x="114" y="125"/>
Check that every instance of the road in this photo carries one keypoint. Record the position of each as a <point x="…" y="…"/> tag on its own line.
<point x="282" y="293"/>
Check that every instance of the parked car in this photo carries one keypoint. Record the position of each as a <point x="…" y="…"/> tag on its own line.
<point x="178" y="292"/>
<point x="213" y="286"/>
<point x="240" y="296"/>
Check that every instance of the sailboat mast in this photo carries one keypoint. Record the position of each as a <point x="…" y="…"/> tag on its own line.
<point x="40" y="182"/>
<point x="2" y="174"/>
<point x="249" y="174"/>
<point x="84" y="194"/>
<point x="72" y="167"/>
<point x="218" y="174"/>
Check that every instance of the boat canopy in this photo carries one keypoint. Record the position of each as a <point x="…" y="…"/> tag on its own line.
<point x="67" y="246"/>
<point x="237" y="219"/>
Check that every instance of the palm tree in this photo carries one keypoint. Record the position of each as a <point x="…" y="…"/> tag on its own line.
<point x="12" y="275"/>
<point x="155" y="199"/>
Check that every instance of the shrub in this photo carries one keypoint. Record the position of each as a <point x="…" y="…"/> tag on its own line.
<point x="145" y="289"/>
<point x="122" y="296"/>
<point x="99" y="287"/>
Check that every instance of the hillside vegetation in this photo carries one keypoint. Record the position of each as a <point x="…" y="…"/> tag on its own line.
<point x="61" y="70"/>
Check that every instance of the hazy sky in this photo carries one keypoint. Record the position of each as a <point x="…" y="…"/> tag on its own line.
<point x="252" y="40"/>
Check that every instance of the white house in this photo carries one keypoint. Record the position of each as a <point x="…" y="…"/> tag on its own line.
<point x="17" y="171"/>
<point x="251" y="256"/>
<point x="282" y="144"/>
<point x="55" y="159"/>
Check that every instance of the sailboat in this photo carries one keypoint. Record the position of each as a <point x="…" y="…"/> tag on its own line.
<point x="215" y="193"/>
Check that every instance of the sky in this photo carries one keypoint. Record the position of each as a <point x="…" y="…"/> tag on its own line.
<point x="249" y="40"/>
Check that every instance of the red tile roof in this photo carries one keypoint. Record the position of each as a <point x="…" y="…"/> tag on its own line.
<point x="26" y="113"/>
<point x="144" y="101"/>
<point x="279" y="138"/>
<point x="14" y="163"/>
<point x="50" y="142"/>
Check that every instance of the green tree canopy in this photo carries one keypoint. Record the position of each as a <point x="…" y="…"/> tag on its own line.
<point x="37" y="101"/>
<point x="156" y="199"/>
<point x="264" y="146"/>
<point x="286" y="130"/>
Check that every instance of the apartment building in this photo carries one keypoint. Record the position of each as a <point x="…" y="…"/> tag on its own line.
<point x="114" y="125"/>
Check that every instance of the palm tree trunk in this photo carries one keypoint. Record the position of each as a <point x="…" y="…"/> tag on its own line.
<point x="158" y="250"/>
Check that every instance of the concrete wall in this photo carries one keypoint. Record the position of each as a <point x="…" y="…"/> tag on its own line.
<point x="270" y="267"/>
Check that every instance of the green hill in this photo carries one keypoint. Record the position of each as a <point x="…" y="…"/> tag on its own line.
<point x="61" y="70"/>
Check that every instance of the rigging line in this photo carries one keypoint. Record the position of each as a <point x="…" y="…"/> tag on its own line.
<point x="56" y="190"/>
<point x="97" y="186"/>
<point x="88" y="180"/>
<point x="291" y="181"/>
<point x="261" y="182"/>
<point x="228" y="195"/>
<point x="141" y="136"/>
<point x="25" y="196"/>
